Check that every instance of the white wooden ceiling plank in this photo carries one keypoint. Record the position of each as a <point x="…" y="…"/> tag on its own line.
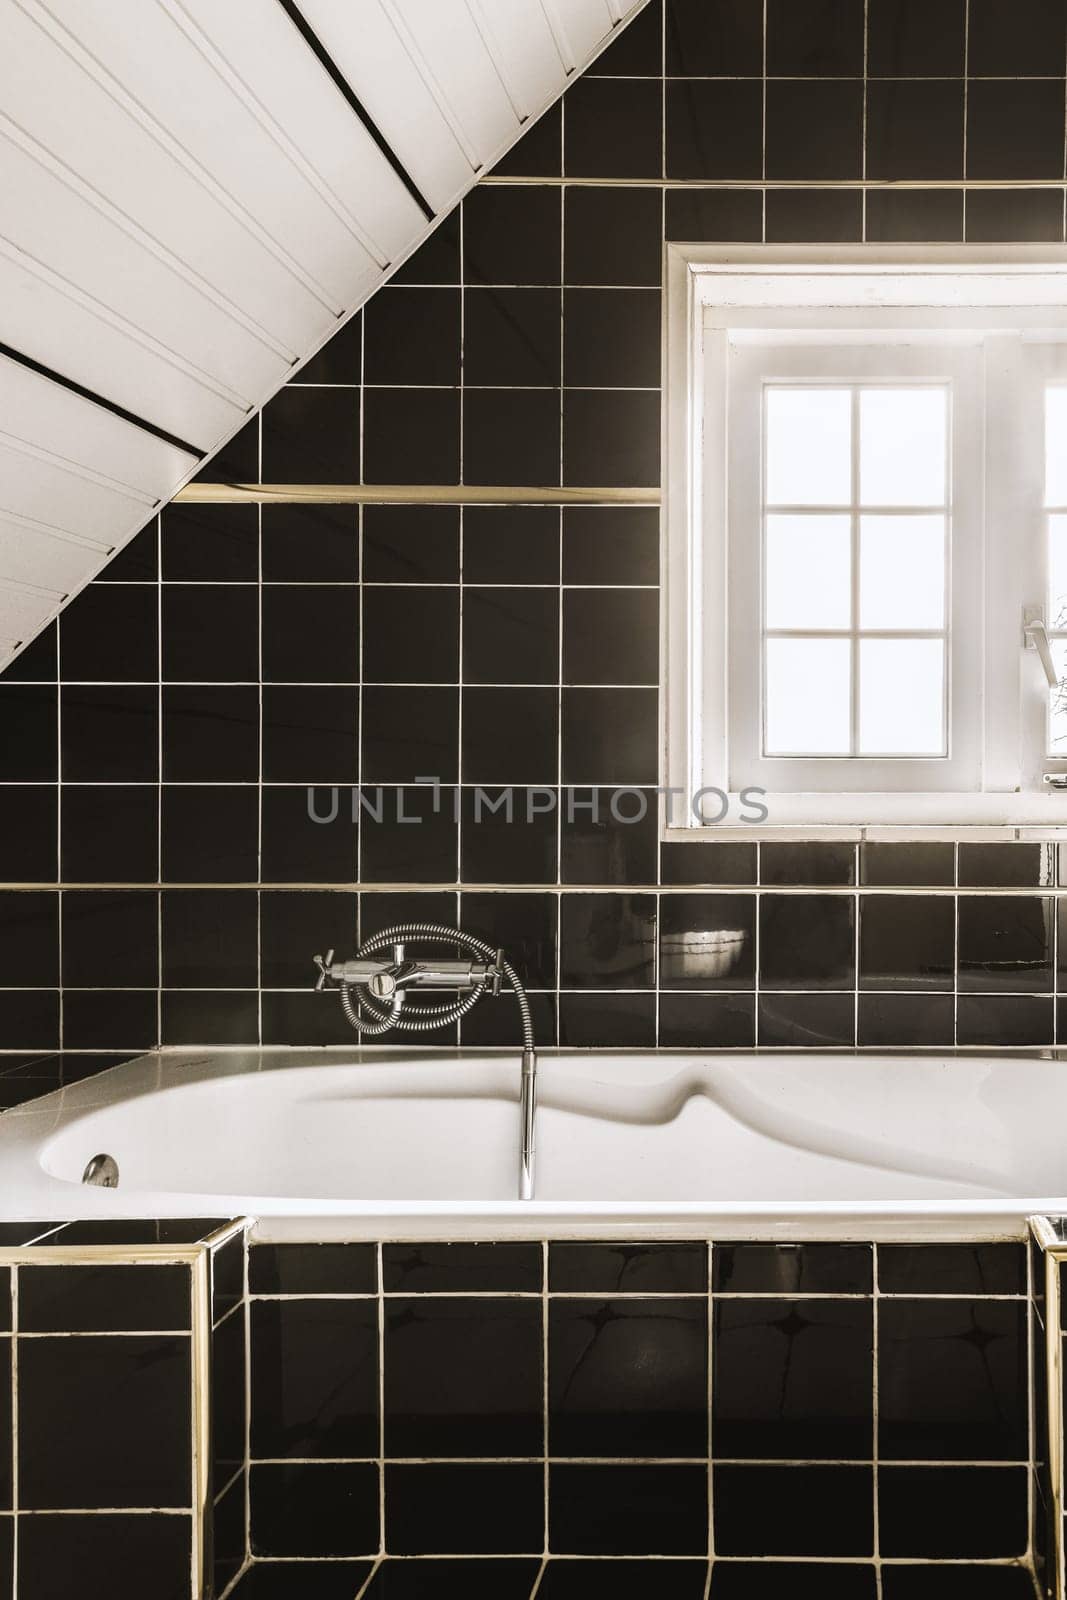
<point x="56" y="226"/>
<point x="452" y="56"/>
<point x="257" y="39"/>
<point x="48" y="323"/>
<point x="55" y="107"/>
<point x="519" y="38"/>
<point x="41" y="412"/>
<point x="24" y="612"/>
<point x="368" y="53"/>
<point x="65" y="498"/>
<point x="585" y="23"/>
<point x="29" y="555"/>
<point x="229" y="143"/>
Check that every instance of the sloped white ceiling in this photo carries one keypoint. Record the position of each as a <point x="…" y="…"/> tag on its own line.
<point x="194" y="194"/>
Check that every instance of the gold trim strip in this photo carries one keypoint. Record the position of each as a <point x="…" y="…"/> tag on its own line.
<point x="388" y="494"/>
<point x="761" y="184"/>
<point x="1054" y="1382"/>
<point x="200" y="1376"/>
<point x="95" y="1255"/>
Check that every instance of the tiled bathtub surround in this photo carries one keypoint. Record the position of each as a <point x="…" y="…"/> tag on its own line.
<point x="110" y="1336"/>
<point x="155" y="748"/>
<point x="634" y="1411"/>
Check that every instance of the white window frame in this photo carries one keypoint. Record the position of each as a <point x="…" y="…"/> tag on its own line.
<point x="997" y="303"/>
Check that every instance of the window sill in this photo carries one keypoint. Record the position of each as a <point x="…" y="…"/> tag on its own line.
<point x="916" y="817"/>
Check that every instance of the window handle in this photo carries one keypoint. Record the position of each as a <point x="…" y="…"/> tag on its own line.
<point x="1035" y="637"/>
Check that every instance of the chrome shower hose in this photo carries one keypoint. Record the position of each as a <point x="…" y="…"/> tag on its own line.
<point x="370" y="1016"/>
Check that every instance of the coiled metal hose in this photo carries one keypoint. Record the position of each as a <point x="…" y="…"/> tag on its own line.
<point x="370" y="1016"/>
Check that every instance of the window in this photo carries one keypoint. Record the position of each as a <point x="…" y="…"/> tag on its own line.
<point x="866" y="565"/>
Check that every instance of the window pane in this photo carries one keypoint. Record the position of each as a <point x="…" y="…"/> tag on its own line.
<point x="807" y="710"/>
<point x="1057" y="572"/>
<point x="1056" y="446"/>
<point x="809" y="447"/>
<point x="902" y="447"/>
<point x="902" y="572"/>
<point x="808" y="572"/>
<point x="1057" y="702"/>
<point x="901" y="693"/>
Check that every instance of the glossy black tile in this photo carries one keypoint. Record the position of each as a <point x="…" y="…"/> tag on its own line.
<point x="110" y="734"/>
<point x="608" y="836"/>
<point x="609" y="736"/>
<point x="132" y="1231"/>
<point x="462" y="1268"/>
<point x="510" y="736"/>
<point x="539" y="152"/>
<point x="511" y="544"/>
<point x="763" y="1580"/>
<point x="412" y="336"/>
<point x="511" y="337"/>
<point x="818" y="1510"/>
<point x="29" y="1019"/>
<point x="711" y="215"/>
<point x="610" y="636"/>
<point x="814" y="216"/>
<point x="511" y="436"/>
<point x="707" y="1021"/>
<point x="605" y="226"/>
<point x="597" y="1021"/>
<point x="103" y="1299"/>
<point x="677" y="1268"/>
<point x="805" y="1021"/>
<point x="806" y="941"/>
<point x="509" y="835"/>
<point x="627" y="1378"/>
<point x="143" y="1383"/>
<point x="510" y="634"/>
<point x="310" y="634"/>
<point x="29" y="726"/>
<point x="915" y="128"/>
<point x="637" y="49"/>
<point x="714" y="129"/>
<point x="302" y="840"/>
<point x="314" y="1374"/>
<point x="311" y="435"/>
<point x="339" y="1269"/>
<point x="29" y="850"/>
<point x="209" y="939"/>
<point x="700" y="863"/>
<point x="901" y="216"/>
<point x="411" y="435"/>
<point x="915" y="38"/>
<point x="512" y="235"/>
<point x="594" y="355"/>
<point x="314" y="1509"/>
<point x="892" y="1020"/>
<point x="610" y="545"/>
<point x="310" y="733"/>
<point x="210" y="633"/>
<point x="210" y="733"/>
<point x="955" y="1582"/>
<point x="807" y="863"/>
<point x="437" y="258"/>
<point x="713" y="38"/>
<point x="29" y="938"/>
<point x="607" y="941"/>
<point x="1008" y="1019"/>
<point x="907" y="942"/>
<point x="209" y="833"/>
<point x="340" y="358"/>
<point x="429" y="1579"/>
<point x="814" y="129"/>
<point x="227" y="1269"/>
<point x="229" y="1411"/>
<point x="754" y="1269"/>
<point x="310" y="544"/>
<point x="623" y="1579"/>
<point x="952" y="1380"/>
<point x="238" y="459"/>
<point x="707" y="941"/>
<point x="228" y="1535"/>
<point x="1029" y="43"/>
<point x="109" y="834"/>
<point x="318" y="1580"/>
<point x="39" y="661"/>
<point x="962" y="1513"/>
<point x="612" y="128"/>
<point x="909" y="865"/>
<point x="76" y="1555"/>
<point x="464" y="1509"/>
<point x="827" y="40"/>
<point x="628" y="1510"/>
<point x="416" y="840"/>
<point x="409" y="734"/>
<point x="953" y="1269"/>
<point x="463" y="1377"/>
<point x="105" y="933"/>
<point x="792" y="1379"/>
<point x="1013" y="127"/>
<point x="96" y="1018"/>
<point x="111" y="635"/>
<point x="1007" y="866"/>
<point x="1020" y="215"/>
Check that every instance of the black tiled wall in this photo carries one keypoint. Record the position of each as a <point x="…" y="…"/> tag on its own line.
<point x="166" y="883"/>
<point x="512" y="1402"/>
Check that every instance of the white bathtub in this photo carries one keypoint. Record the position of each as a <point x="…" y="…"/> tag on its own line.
<point x="386" y="1142"/>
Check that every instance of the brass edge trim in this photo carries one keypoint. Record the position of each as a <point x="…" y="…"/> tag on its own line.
<point x="94" y="1255"/>
<point x="226" y="1232"/>
<point x="1045" y="1234"/>
<point x="1054" y="1384"/>
<point x="554" y="181"/>
<point x="408" y="494"/>
<point x="200" y="1376"/>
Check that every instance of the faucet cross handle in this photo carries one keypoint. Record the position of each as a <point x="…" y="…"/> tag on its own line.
<point x="324" y="963"/>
